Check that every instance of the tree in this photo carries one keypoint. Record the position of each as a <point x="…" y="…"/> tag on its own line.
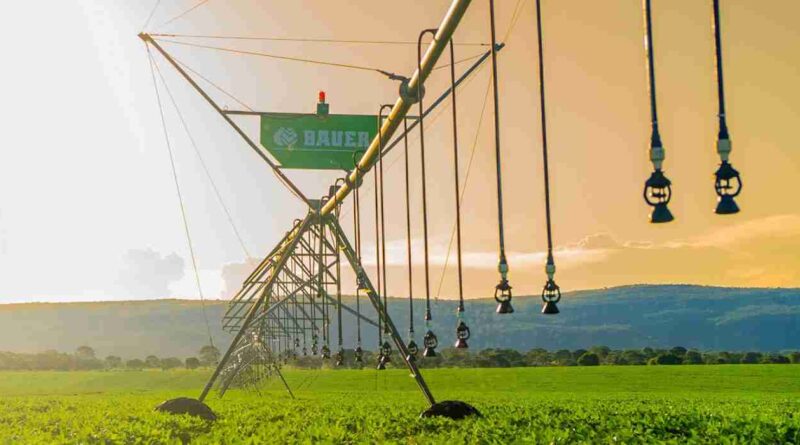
<point x="751" y="358"/>
<point x="692" y="358"/>
<point x="52" y="360"/>
<point x="209" y="355"/>
<point x="589" y="359"/>
<point x="85" y="359"/>
<point x="634" y="357"/>
<point x="680" y="351"/>
<point x="538" y="357"/>
<point x="667" y="358"/>
<point x="135" y="364"/>
<point x="84" y="353"/>
<point x="192" y="363"/>
<point x="113" y="362"/>
<point x="171" y="363"/>
<point x="614" y="358"/>
<point x="602" y="351"/>
<point x="576" y="354"/>
<point x="775" y="358"/>
<point x="564" y="357"/>
<point x="151" y="361"/>
<point x="794" y="357"/>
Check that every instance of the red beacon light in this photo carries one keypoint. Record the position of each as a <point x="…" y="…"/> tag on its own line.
<point x="322" y="106"/>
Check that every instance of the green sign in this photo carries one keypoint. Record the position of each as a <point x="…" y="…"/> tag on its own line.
<point x="317" y="142"/>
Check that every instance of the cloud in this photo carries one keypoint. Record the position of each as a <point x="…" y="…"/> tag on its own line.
<point x="760" y="252"/>
<point x="598" y="241"/>
<point x="780" y="227"/>
<point x="234" y="274"/>
<point x="396" y="254"/>
<point x="147" y="273"/>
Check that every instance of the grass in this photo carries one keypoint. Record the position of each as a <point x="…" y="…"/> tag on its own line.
<point x="704" y="404"/>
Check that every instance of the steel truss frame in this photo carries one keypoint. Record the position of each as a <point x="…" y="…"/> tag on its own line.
<point x="287" y="293"/>
<point x="293" y="300"/>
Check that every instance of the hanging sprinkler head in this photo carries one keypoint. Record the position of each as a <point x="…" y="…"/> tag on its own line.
<point x="386" y="352"/>
<point x="380" y="358"/>
<point x="358" y="354"/>
<point x="551" y="294"/>
<point x="381" y="364"/>
<point x="361" y="282"/>
<point x="326" y="352"/>
<point x="413" y="350"/>
<point x="502" y="292"/>
<point x="657" y="194"/>
<point x="462" y="335"/>
<point x="431" y="342"/>
<point x="339" y="357"/>
<point x="728" y="185"/>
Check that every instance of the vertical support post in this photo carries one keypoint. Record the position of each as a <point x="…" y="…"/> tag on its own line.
<point x="376" y="302"/>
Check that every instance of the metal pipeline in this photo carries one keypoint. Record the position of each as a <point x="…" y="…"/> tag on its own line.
<point x="402" y="105"/>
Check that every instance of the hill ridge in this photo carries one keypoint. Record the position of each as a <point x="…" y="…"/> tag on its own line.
<point x="634" y="316"/>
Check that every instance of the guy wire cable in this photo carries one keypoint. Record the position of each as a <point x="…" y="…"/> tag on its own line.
<point x="302" y="40"/>
<point x="203" y="164"/>
<point x="153" y="69"/>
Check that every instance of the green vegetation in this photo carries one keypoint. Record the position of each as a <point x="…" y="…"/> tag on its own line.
<point x="593" y="404"/>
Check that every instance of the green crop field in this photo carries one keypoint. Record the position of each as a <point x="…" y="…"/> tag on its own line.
<point x="706" y="404"/>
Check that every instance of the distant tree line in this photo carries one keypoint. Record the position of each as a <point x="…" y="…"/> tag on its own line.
<point x="84" y="359"/>
<point x="594" y="356"/>
<point x="601" y="355"/>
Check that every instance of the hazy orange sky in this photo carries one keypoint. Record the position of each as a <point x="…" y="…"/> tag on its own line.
<point x="88" y="209"/>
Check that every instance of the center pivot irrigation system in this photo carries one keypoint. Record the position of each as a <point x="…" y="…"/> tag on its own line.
<point x="286" y="305"/>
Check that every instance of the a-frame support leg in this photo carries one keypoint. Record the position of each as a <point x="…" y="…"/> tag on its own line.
<point x="376" y="302"/>
<point x="251" y="314"/>
<point x="285" y="385"/>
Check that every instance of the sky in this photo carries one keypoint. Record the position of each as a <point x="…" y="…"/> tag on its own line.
<point x="88" y="208"/>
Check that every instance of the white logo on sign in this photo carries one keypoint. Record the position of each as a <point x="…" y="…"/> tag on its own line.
<point x="285" y="137"/>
